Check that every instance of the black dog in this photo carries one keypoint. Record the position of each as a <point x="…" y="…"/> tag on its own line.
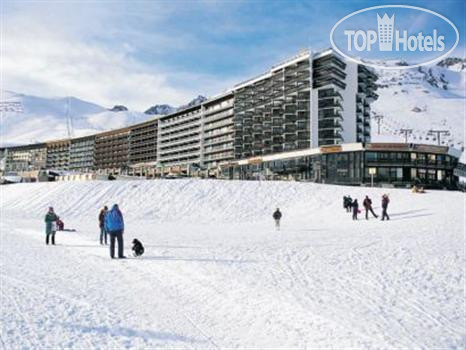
<point x="138" y="248"/>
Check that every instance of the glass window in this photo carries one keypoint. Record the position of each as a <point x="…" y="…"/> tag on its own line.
<point x="413" y="156"/>
<point x="371" y="156"/>
<point x="413" y="173"/>
<point x="440" y="175"/>
<point x="431" y="158"/>
<point x="422" y="174"/>
<point x="383" y="173"/>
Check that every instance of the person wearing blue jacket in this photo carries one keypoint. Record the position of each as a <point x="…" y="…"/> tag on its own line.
<point x="114" y="225"/>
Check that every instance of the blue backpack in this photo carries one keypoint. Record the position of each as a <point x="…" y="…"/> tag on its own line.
<point x="114" y="220"/>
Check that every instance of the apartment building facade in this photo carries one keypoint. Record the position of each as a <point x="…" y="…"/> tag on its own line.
<point x="25" y="158"/>
<point x="312" y="99"/>
<point x="112" y="150"/>
<point x="82" y="154"/>
<point x="58" y="155"/>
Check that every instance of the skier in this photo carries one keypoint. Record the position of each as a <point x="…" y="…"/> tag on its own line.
<point x="277" y="215"/>
<point x="50" y="225"/>
<point x="385" y="201"/>
<point x="103" y="232"/>
<point x="355" y="206"/>
<point x="368" y="207"/>
<point x="114" y="225"/>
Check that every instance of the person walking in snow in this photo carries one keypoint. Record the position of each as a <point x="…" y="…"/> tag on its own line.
<point x="277" y="215"/>
<point x="349" y="204"/>
<point x="385" y="201"/>
<point x="114" y="225"/>
<point x="345" y="201"/>
<point x="355" y="206"/>
<point x="50" y="225"/>
<point x="103" y="231"/>
<point x="367" y="203"/>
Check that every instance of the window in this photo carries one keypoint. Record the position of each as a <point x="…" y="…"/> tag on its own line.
<point x="383" y="173"/>
<point x="371" y="156"/>
<point x="413" y="156"/>
<point x="431" y="174"/>
<point x="440" y="175"/>
<point x="413" y="173"/>
<point x="422" y="174"/>
<point x="431" y="158"/>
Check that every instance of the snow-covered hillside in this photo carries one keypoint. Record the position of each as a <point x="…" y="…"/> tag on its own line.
<point x="30" y="119"/>
<point x="422" y="99"/>
<point x="217" y="275"/>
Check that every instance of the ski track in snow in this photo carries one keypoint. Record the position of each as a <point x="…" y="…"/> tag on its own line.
<point x="216" y="274"/>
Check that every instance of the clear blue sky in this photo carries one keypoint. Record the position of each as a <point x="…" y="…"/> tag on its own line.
<point x="141" y="53"/>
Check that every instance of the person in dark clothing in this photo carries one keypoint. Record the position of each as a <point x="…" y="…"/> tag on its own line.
<point x="368" y="207"/>
<point x="349" y="204"/>
<point x="355" y="206"/>
<point x="103" y="231"/>
<point x="114" y="225"/>
<point x="345" y="202"/>
<point x="385" y="201"/>
<point x="50" y="225"/>
<point x="277" y="215"/>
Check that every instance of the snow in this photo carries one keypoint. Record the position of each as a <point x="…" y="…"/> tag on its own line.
<point x="416" y="99"/>
<point x="44" y="119"/>
<point x="217" y="275"/>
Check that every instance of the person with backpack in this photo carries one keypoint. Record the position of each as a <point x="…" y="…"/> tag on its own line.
<point x="367" y="203"/>
<point x="355" y="206"/>
<point x="385" y="201"/>
<point x="50" y="225"/>
<point x="277" y="215"/>
<point x="103" y="231"/>
<point x="349" y="204"/>
<point x="114" y="225"/>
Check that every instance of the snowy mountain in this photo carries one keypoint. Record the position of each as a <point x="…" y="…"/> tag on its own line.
<point x="167" y="109"/>
<point x="160" y="110"/>
<point x="118" y="108"/>
<point x="194" y="102"/>
<point x="422" y="99"/>
<point x="28" y="119"/>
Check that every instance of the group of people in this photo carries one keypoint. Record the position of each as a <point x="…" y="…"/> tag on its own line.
<point x="111" y="223"/>
<point x="351" y="205"/>
<point x="53" y="223"/>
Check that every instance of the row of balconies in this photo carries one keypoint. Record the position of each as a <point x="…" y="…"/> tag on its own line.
<point x="181" y="147"/>
<point x="181" y="140"/>
<point x="181" y="127"/>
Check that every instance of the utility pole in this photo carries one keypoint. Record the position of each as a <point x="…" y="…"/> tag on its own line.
<point x="406" y="132"/>
<point x="438" y="133"/>
<point x="378" y="118"/>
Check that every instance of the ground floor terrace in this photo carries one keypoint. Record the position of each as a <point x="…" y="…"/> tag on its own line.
<point x="378" y="164"/>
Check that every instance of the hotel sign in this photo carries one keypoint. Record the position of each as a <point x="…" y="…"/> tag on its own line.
<point x="256" y="160"/>
<point x="330" y="149"/>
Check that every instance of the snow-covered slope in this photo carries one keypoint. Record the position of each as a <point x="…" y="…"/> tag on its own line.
<point x="422" y="99"/>
<point x="31" y="119"/>
<point x="217" y="275"/>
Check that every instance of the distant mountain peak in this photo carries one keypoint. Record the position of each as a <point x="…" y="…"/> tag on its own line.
<point x="163" y="109"/>
<point x="118" y="108"/>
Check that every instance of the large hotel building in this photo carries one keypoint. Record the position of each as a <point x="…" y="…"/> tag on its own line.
<point x="306" y="118"/>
